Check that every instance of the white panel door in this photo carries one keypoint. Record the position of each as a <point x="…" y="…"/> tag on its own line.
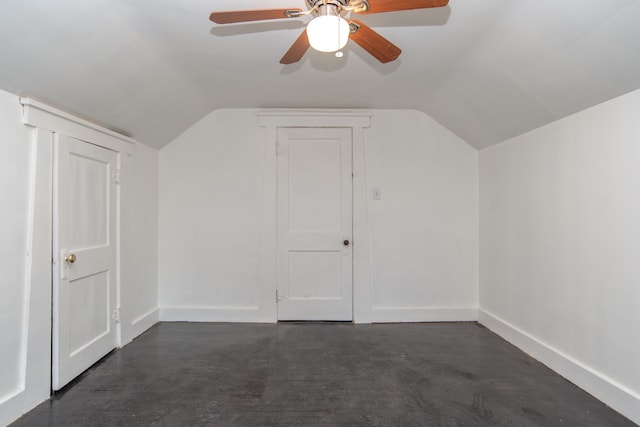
<point x="315" y="260"/>
<point x="85" y="233"/>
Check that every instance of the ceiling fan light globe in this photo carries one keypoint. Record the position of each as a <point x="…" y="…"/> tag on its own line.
<point x="328" y="33"/>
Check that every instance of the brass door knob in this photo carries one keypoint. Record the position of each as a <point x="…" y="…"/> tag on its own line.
<point x="71" y="258"/>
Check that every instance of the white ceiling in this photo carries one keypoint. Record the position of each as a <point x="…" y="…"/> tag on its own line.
<point x="485" y="69"/>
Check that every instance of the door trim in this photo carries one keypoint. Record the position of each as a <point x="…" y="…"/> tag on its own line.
<point x="43" y="116"/>
<point x="357" y="121"/>
<point x="45" y="121"/>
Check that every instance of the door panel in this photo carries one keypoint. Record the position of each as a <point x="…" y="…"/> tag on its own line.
<point x="87" y="203"/>
<point x="314" y="219"/>
<point x="314" y="185"/>
<point x="84" y="287"/>
<point x="315" y="275"/>
<point x="86" y="324"/>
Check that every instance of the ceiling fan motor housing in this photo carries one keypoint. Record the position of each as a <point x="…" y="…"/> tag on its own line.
<point x="314" y="3"/>
<point x="339" y="5"/>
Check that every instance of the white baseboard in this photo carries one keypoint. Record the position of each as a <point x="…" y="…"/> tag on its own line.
<point x="617" y="396"/>
<point x="146" y="321"/>
<point x="138" y="326"/>
<point x="141" y="323"/>
<point x="11" y="407"/>
<point x="215" y="314"/>
<point x="254" y="315"/>
<point x="423" y="314"/>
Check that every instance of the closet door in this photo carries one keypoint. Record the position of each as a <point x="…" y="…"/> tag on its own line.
<point x="315" y="261"/>
<point x="85" y="246"/>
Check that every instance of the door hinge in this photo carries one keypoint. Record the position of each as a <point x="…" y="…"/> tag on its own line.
<point x="115" y="176"/>
<point x="279" y="296"/>
<point x="115" y="316"/>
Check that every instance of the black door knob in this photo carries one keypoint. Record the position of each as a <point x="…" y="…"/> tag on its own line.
<point x="346" y="243"/>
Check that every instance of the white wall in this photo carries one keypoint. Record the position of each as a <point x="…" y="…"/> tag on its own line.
<point x="424" y="229"/>
<point x="423" y="233"/>
<point x="15" y="152"/>
<point x="139" y="234"/>
<point x="25" y="255"/>
<point x="210" y="217"/>
<point x="560" y="254"/>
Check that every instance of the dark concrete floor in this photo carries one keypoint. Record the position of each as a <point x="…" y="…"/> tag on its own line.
<point x="321" y="374"/>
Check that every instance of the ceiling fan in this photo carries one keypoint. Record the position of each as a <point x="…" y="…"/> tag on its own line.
<point x="329" y="31"/>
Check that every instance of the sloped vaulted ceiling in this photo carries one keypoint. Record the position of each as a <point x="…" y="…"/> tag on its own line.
<point x="486" y="69"/>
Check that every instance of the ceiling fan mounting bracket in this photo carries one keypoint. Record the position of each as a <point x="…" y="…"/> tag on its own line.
<point x="358" y="6"/>
<point x="295" y="13"/>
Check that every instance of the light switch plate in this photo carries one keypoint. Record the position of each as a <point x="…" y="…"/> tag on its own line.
<point x="377" y="194"/>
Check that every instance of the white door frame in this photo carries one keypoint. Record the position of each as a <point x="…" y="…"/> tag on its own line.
<point x="46" y="120"/>
<point x="271" y="121"/>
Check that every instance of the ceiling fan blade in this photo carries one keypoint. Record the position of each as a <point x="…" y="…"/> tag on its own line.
<point x="379" y="47"/>
<point x="379" y="6"/>
<point x="297" y="49"/>
<point x="233" y="16"/>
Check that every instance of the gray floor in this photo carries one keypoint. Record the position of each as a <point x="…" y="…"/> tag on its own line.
<point x="321" y="374"/>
